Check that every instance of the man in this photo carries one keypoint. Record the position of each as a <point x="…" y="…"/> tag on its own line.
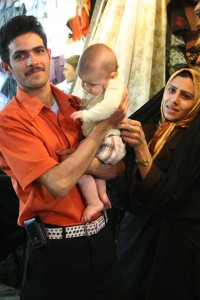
<point x="78" y="261"/>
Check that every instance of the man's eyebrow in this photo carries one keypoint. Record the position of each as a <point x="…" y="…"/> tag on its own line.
<point x="20" y="51"/>
<point x="28" y="50"/>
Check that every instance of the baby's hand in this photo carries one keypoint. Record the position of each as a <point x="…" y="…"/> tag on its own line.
<point x="77" y="115"/>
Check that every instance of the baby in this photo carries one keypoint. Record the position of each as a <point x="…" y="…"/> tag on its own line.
<point x="102" y="92"/>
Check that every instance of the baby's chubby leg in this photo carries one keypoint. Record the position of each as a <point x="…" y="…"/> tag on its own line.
<point x="94" y="204"/>
<point x="101" y="188"/>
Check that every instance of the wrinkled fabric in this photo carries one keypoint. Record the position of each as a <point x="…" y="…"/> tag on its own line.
<point x="10" y="12"/>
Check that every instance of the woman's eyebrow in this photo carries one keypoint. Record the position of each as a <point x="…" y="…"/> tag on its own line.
<point x="182" y="91"/>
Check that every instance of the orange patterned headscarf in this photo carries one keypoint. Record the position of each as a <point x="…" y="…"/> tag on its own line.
<point x="166" y="128"/>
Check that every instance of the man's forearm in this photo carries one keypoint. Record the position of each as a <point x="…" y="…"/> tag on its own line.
<point x="61" y="178"/>
<point x="103" y="171"/>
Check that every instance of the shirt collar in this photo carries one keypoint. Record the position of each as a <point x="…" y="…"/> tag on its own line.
<point x="33" y="106"/>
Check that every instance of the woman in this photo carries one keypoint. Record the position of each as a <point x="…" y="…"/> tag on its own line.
<point x="69" y="72"/>
<point x="159" y="237"/>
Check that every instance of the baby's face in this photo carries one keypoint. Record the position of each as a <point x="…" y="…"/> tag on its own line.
<point x="94" y="83"/>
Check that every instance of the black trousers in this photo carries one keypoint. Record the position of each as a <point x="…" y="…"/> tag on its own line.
<point x="82" y="268"/>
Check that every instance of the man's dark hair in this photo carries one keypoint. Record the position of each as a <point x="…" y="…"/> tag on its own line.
<point x="15" y="27"/>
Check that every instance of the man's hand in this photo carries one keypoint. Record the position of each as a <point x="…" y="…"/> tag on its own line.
<point x="116" y="118"/>
<point x="120" y="113"/>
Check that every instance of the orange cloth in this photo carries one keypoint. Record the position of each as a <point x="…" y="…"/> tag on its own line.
<point x="80" y="23"/>
<point x="75" y="26"/>
<point x="85" y="22"/>
<point x="30" y="135"/>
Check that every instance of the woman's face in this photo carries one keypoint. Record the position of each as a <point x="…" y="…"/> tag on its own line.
<point x="69" y="72"/>
<point x="178" y="99"/>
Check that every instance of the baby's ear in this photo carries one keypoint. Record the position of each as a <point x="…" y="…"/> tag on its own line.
<point x="113" y="75"/>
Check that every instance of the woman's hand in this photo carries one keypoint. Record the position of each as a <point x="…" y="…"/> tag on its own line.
<point x="132" y="133"/>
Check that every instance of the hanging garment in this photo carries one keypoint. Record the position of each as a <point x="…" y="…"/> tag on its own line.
<point x="176" y="54"/>
<point x="79" y="24"/>
<point x="9" y="88"/>
<point x="10" y="12"/>
<point x="56" y="70"/>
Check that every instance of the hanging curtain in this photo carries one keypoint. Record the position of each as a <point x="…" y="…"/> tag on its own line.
<point x="136" y="31"/>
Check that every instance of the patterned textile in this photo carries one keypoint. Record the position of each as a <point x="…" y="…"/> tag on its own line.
<point x="192" y="54"/>
<point x="179" y="21"/>
<point x="79" y="230"/>
<point x="112" y="150"/>
<point x="176" y="57"/>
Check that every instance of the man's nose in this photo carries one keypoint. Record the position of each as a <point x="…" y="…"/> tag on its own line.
<point x="30" y="59"/>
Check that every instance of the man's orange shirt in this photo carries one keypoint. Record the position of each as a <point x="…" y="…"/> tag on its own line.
<point x="30" y="136"/>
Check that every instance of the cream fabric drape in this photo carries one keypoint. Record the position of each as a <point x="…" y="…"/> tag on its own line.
<point x="136" y="31"/>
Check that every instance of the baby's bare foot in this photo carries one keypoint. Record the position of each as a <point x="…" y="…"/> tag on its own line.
<point x="91" y="210"/>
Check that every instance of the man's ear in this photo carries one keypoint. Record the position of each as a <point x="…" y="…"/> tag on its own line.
<point x="49" y="52"/>
<point x="7" y="69"/>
